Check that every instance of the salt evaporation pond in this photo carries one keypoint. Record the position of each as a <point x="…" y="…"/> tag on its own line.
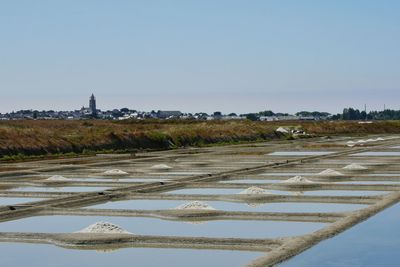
<point x="344" y="193"/>
<point x="251" y="181"/>
<point x="228" y="191"/>
<point x="168" y="173"/>
<point x="58" y="189"/>
<point x="230" y="206"/>
<point x="378" y="153"/>
<point x="369" y="182"/>
<point x="300" y="153"/>
<point x="17" y="200"/>
<point x="40" y="255"/>
<point x="374" y="242"/>
<point x="150" y="226"/>
<point x="120" y="179"/>
<point x="287" y="173"/>
<point x="218" y="191"/>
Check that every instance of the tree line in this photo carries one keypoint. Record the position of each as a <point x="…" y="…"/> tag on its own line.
<point x="355" y="114"/>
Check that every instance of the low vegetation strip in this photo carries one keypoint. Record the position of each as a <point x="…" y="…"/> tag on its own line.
<point x="52" y="137"/>
<point x="19" y="139"/>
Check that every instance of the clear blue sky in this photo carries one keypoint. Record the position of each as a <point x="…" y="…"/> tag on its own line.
<point x="204" y="55"/>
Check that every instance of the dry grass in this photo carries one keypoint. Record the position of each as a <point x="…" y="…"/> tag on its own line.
<point x="49" y="137"/>
<point x="59" y="136"/>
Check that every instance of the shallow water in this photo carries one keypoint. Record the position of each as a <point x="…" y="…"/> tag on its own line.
<point x="168" y="173"/>
<point x="344" y="193"/>
<point x="250" y="181"/>
<point x="58" y="189"/>
<point x="300" y="153"/>
<point x="291" y="174"/>
<point x="369" y="182"/>
<point x="139" y="180"/>
<point x="150" y="226"/>
<point x="17" y="200"/>
<point x="38" y="255"/>
<point x="374" y="242"/>
<point x="378" y="153"/>
<point x="218" y="191"/>
<point x="227" y="191"/>
<point x="230" y="206"/>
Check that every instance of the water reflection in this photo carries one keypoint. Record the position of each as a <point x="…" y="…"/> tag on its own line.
<point x="38" y="255"/>
<point x="374" y="242"/>
<point x="231" y="206"/>
<point x="150" y="226"/>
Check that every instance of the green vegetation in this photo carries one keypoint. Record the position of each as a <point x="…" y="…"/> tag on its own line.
<point x="37" y="139"/>
<point x="19" y="139"/>
<point x="355" y="114"/>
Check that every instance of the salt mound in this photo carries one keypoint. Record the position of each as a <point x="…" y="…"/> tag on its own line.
<point x="282" y="130"/>
<point x="371" y="140"/>
<point x="161" y="167"/>
<point x="380" y="139"/>
<point x="330" y="172"/>
<point x="361" y="141"/>
<point x="195" y="205"/>
<point x="354" y="166"/>
<point x="115" y="172"/>
<point x="104" y="228"/>
<point x="298" y="180"/>
<point x="57" y="178"/>
<point x="254" y="190"/>
<point x="350" y="142"/>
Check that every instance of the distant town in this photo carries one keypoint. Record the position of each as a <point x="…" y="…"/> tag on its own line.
<point x="92" y="112"/>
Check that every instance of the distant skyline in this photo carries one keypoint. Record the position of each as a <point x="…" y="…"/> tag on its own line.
<point x="229" y="56"/>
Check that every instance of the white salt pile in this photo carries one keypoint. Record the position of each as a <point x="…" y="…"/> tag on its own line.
<point x="57" y="178"/>
<point x="115" y="172"/>
<point x="371" y="140"/>
<point x="103" y="228"/>
<point x="254" y="190"/>
<point x="354" y="166"/>
<point x="351" y="143"/>
<point x="330" y="172"/>
<point x="361" y="141"/>
<point x="298" y="180"/>
<point x="380" y="139"/>
<point x="161" y="167"/>
<point x="195" y="205"/>
<point x="282" y="130"/>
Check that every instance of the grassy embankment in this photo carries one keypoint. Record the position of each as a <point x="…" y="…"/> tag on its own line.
<point x="21" y="139"/>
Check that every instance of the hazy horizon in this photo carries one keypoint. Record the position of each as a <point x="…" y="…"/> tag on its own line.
<point x="229" y="56"/>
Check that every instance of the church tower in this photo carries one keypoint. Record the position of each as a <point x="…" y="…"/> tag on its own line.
<point x="92" y="105"/>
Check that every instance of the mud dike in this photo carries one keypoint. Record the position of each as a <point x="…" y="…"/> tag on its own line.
<point x="191" y="191"/>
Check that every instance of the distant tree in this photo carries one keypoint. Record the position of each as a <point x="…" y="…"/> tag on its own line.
<point x="267" y="113"/>
<point x="336" y="117"/>
<point x="252" y="116"/>
<point x="116" y="113"/>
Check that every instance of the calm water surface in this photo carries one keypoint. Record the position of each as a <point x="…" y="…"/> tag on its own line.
<point x="372" y="243"/>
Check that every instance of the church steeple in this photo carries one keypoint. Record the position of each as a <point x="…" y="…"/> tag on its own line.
<point x="92" y="105"/>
